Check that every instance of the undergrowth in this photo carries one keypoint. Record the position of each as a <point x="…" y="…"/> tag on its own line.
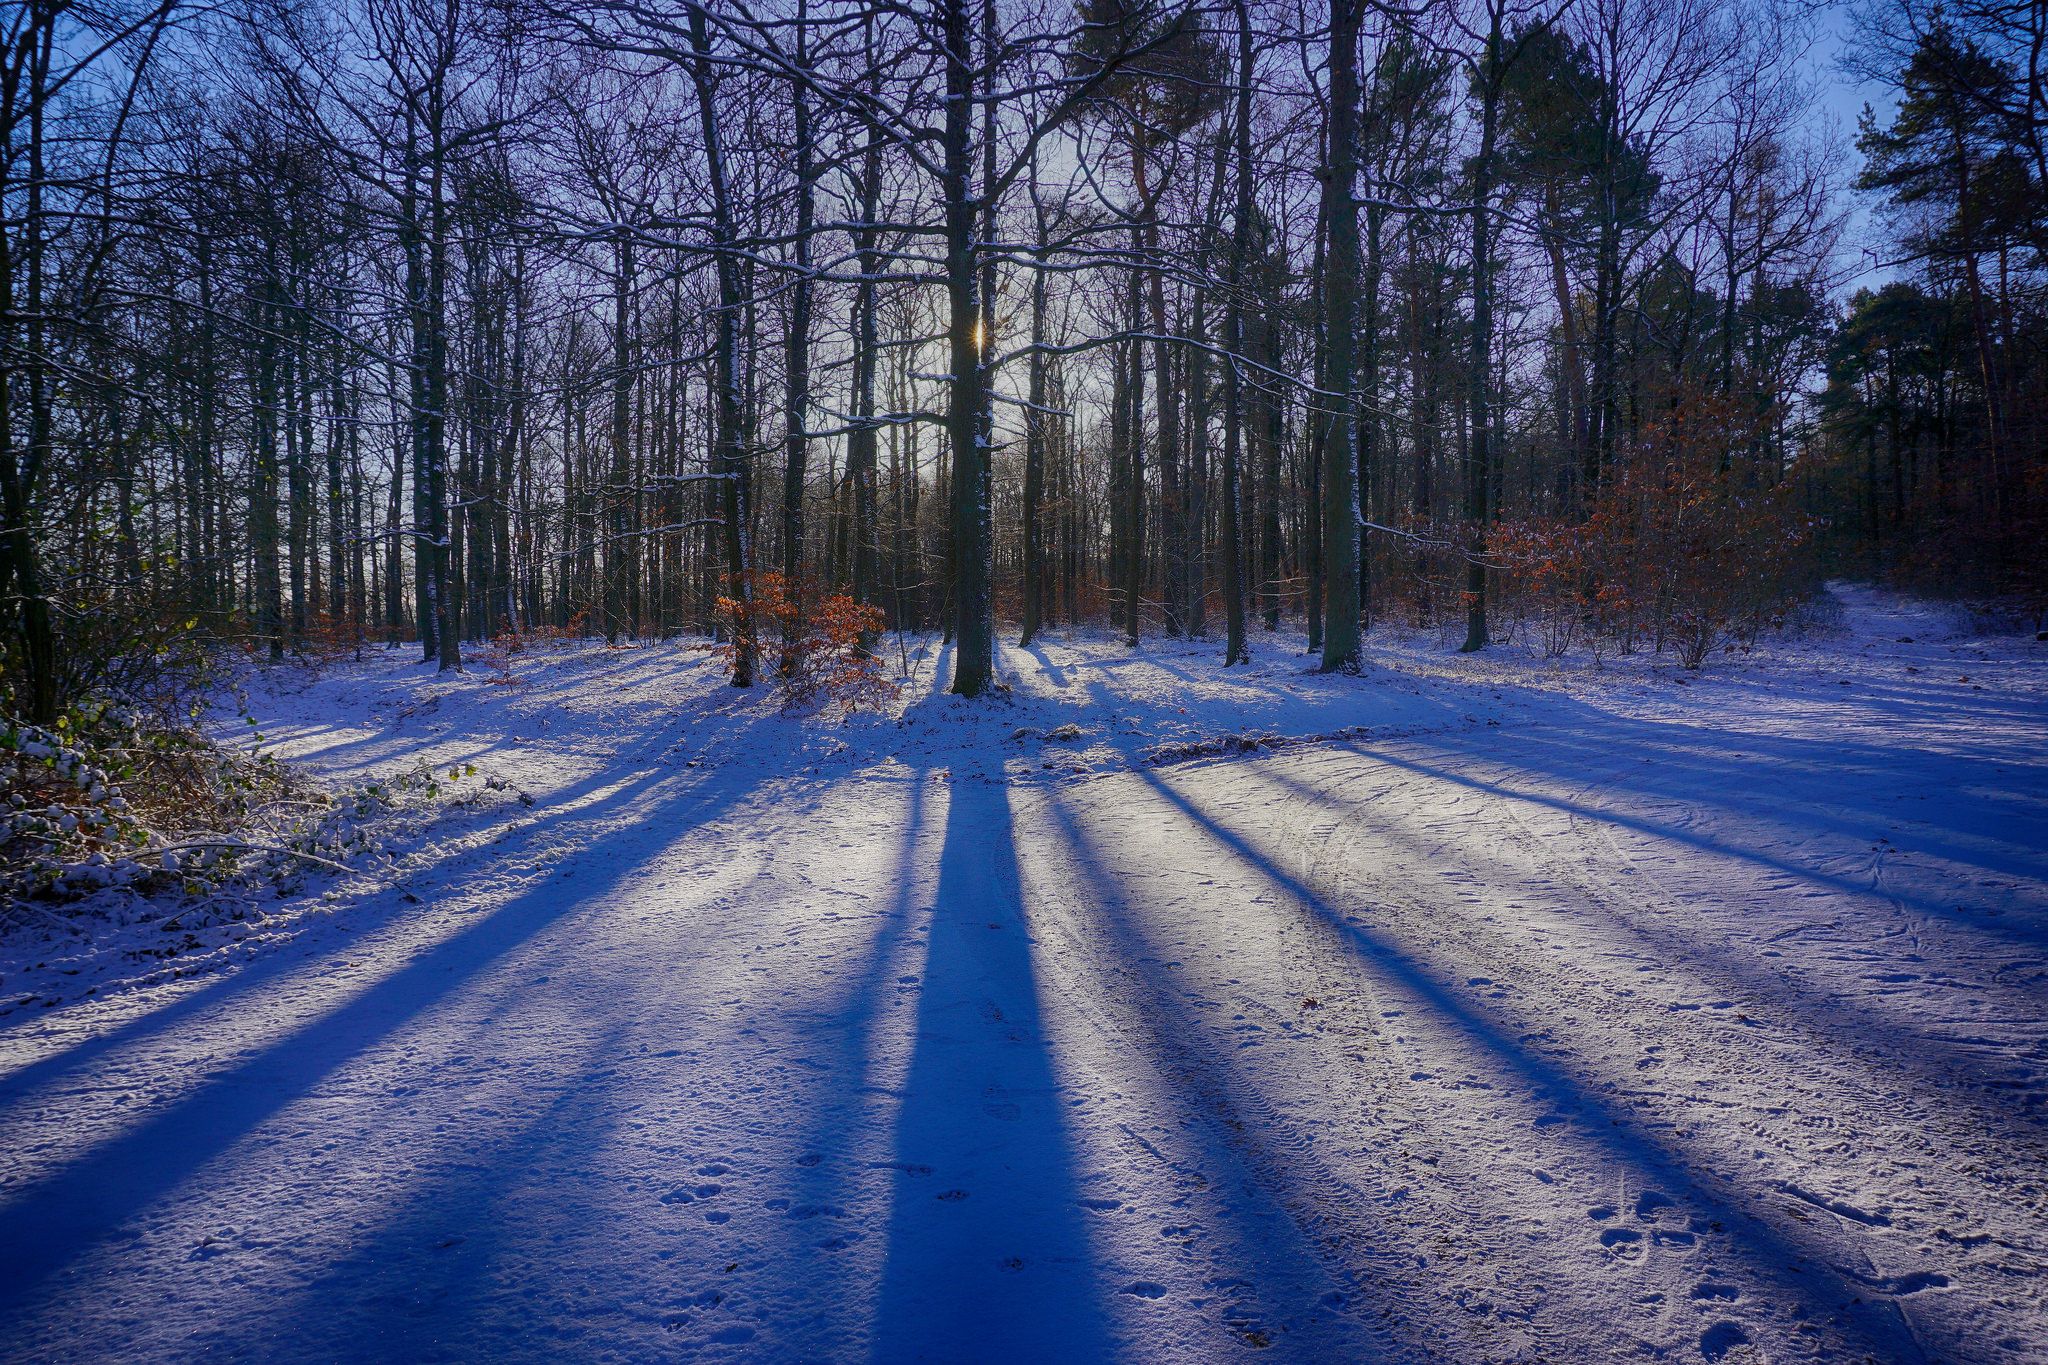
<point x="112" y="800"/>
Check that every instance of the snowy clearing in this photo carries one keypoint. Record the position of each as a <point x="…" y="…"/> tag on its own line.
<point x="1502" y="1012"/>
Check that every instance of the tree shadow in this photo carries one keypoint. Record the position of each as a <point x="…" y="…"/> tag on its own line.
<point x="61" y="1217"/>
<point x="1045" y="664"/>
<point x="1794" y="1265"/>
<point x="594" y="794"/>
<point x="1765" y="786"/>
<point x="835" y="1182"/>
<point x="473" y="1260"/>
<point x="987" y="1254"/>
<point x="1822" y="1014"/>
<point x="1317" y="1267"/>
<point x="583" y="1206"/>
<point x="186" y="999"/>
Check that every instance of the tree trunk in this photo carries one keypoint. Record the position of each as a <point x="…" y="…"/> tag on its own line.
<point x="797" y="355"/>
<point x="618" y="555"/>
<point x="973" y="623"/>
<point x="1340" y="310"/>
<point x="734" y="437"/>
<point x="1234" y="648"/>
<point x="1478" y="474"/>
<point x="1034" y="438"/>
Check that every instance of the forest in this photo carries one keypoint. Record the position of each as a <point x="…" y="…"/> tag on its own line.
<point x="336" y="325"/>
<point x="1020" y="680"/>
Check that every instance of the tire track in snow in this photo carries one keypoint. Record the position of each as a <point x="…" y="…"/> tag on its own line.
<point x="1458" y="1146"/>
<point x="1473" y="1034"/>
<point x="1814" y="1069"/>
<point x="1359" y="1233"/>
<point x="1954" y="1078"/>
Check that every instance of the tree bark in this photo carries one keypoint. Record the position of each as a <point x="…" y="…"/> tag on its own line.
<point x="797" y="353"/>
<point x="1340" y="310"/>
<point x="733" y="434"/>
<point x="1478" y="473"/>
<point x="1234" y="647"/>
<point x="973" y="623"/>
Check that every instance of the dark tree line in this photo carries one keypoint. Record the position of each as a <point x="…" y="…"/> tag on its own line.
<point x="373" y="321"/>
<point x="1937" y="384"/>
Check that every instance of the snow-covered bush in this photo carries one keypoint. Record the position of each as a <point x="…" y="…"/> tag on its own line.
<point x="108" y="799"/>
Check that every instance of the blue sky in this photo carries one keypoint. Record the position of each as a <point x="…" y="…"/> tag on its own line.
<point x="1842" y="99"/>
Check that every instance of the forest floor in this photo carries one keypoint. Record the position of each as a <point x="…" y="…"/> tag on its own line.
<point x="1510" y="1011"/>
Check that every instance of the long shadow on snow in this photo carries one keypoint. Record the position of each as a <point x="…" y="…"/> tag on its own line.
<point x="1702" y="760"/>
<point x="443" y="1277"/>
<point x="499" y="1287"/>
<point x="1340" y="1259"/>
<point x="1801" y="1273"/>
<point x="574" y="675"/>
<point x="840" y="1154"/>
<point x="565" y="809"/>
<point x="1819" y="1015"/>
<point x="987" y="1257"/>
<point x="1856" y="772"/>
<point x="60" y="1218"/>
<point x="1914" y="701"/>
<point x="1562" y="756"/>
<point x="1046" y="665"/>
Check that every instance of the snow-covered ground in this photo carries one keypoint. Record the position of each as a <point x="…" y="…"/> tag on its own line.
<point x="1503" y="1012"/>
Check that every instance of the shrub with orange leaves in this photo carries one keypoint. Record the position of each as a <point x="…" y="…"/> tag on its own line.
<point x="824" y="652"/>
<point x="1546" y="563"/>
<point x="1684" y="546"/>
<point x="577" y="627"/>
<point x="1719" y="547"/>
<point x="331" y="636"/>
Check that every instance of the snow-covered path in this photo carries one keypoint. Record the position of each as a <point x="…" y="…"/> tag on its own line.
<point x="1554" y="1017"/>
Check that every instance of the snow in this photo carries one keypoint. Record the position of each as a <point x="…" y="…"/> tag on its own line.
<point x="1483" y="1009"/>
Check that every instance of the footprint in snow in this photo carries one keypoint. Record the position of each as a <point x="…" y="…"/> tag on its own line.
<point x="1649" y="1201"/>
<point x="1717" y="1341"/>
<point x="1145" y="1289"/>
<point x="1914" y="1281"/>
